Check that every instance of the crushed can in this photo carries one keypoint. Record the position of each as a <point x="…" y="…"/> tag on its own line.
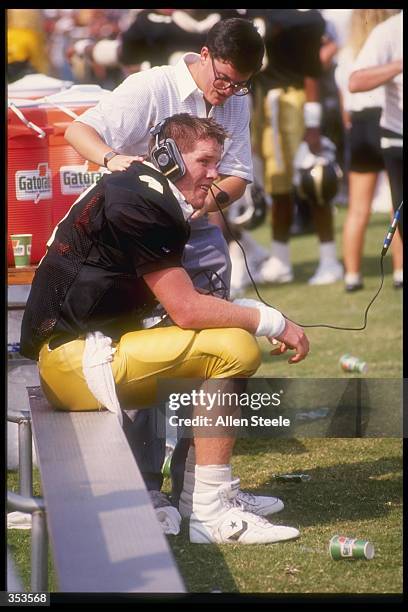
<point x="349" y="363"/>
<point x="342" y="547"/>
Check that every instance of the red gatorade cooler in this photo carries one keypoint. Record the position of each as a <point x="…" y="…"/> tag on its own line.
<point x="29" y="179"/>
<point x="71" y="173"/>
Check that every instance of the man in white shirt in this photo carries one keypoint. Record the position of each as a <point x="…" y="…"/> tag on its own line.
<point x="213" y="84"/>
<point x="380" y="63"/>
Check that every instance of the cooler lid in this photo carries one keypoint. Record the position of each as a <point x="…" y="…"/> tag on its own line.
<point x="22" y="102"/>
<point x="77" y="94"/>
<point x="37" y="84"/>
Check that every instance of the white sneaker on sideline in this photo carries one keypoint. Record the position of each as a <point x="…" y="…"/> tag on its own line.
<point x="274" y="270"/>
<point x="257" y="504"/>
<point x="327" y="273"/>
<point x="231" y="524"/>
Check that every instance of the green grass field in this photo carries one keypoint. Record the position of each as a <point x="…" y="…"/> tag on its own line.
<point x="355" y="490"/>
<point x="356" y="484"/>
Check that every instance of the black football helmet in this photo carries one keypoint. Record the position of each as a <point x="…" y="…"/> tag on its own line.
<point x="250" y="210"/>
<point x="317" y="177"/>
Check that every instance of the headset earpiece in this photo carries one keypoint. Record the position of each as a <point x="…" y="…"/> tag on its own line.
<point x="166" y="156"/>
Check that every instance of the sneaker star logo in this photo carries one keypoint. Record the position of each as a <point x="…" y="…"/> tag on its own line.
<point x="238" y="534"/>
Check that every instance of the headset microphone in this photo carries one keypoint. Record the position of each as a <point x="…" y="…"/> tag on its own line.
<point x="222" y="197"/>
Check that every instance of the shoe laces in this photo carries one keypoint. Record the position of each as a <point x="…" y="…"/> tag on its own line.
<point x="247" y="498"/>
<point x="228" y="495"/>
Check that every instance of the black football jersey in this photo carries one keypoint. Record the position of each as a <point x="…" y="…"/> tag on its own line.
<point x="91" y="278"/>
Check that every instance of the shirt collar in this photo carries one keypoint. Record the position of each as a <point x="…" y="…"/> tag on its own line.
<point x="186" y="208"/>
<point x="185" y="82"/>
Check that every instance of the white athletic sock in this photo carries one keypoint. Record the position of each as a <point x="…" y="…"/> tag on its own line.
<point x="398" y="276"/>
<point x="328" y="252"/>
<point x="212" y="475"/>
<point x="352" y="278"/>
<point x="207" y="503"/>
<point x="280" y="250"/>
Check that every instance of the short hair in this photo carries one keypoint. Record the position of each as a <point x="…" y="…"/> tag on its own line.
<point x="238" y="42"/>
<point x="186" y="129"/>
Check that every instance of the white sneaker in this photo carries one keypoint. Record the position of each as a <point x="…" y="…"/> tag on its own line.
<point x="274" y="270"/>
<point x="232" y="524"/>
<point x="257" y="504"/>
<point x="327" y="273"/>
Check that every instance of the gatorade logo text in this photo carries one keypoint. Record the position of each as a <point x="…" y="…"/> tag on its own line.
<point x="74" y="179"/>
<point x="34" y="184"/>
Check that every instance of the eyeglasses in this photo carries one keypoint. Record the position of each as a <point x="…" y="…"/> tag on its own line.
<point x="222" y="83"/>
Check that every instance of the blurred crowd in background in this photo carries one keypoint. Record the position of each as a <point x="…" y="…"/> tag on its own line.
<point x="104" y="46"/>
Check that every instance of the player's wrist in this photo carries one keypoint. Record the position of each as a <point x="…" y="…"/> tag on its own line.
<point x="312" y="114"/>
<point x="271" y="322"/>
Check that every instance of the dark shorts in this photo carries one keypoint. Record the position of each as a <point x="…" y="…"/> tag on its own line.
<point x="364" y="141"/>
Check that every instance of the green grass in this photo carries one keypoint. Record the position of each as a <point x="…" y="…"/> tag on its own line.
<point x="356" y="485"/>
<point x="380" y="344"/>
<point x="355" y="490"/>
<point x="19" y="541"/>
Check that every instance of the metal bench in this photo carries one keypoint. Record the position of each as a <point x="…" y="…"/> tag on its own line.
<point x="102" y="526"/>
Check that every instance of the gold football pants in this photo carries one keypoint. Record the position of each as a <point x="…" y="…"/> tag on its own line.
<point x="141" y="357"/>
<point x="277" y="133"/>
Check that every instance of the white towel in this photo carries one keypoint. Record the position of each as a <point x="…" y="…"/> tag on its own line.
<point x="97" y="370"/>
<point x="169" y="519"/>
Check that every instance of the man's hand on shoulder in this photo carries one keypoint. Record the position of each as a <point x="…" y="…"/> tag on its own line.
<point x="122" y="162"/>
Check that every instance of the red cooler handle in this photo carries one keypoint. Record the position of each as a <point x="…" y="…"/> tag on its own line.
<point x="40" y="132"/>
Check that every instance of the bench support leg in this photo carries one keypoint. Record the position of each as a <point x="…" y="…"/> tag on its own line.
<point x="25" y="459"/>
<point x="39" y="552"/>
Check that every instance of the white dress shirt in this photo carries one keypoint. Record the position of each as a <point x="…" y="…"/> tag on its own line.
<point x="124" y="116"/>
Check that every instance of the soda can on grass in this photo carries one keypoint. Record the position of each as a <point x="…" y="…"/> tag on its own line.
<point x="341" y="547"/>
<point x="349" y="363"/>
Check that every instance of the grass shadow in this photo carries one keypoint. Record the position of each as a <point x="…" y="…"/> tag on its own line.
<point x="364" y="490"/>
<point x="203" y="566"/>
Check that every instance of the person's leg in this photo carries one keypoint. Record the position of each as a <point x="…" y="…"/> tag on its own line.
<point x="207" y="261"/>
<point x="140" y="358"/>
<point x="218" y="513"/>
<point x="361" y="192"/>
<point x="397" y="252"/>
<point x="394" y="166"/>
<point x="147" y="448"/>
<point x="283" y="130"/>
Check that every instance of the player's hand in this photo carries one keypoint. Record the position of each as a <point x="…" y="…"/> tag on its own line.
<point x="122" y="162"/>
<point x="292" y="337"/>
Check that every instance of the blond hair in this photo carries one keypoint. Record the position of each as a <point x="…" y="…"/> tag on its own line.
<point x="362" y="22"/>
